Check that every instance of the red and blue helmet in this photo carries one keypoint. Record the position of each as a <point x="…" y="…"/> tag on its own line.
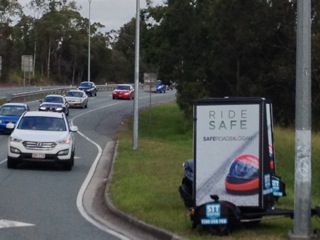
<point x="243" y="176"/>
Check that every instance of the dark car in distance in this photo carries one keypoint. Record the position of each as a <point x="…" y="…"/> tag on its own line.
<point x="89" y="88"/>
<point x="54" y="103"/>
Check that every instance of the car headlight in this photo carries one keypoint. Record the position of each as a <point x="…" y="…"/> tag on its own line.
<point x="59" y="108"/>
<point x="14" y="139"/>
<point x="66" y="140"/>
<point x="42" y="108"/>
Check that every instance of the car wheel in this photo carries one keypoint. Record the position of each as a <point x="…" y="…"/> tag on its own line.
<point x="69" y="164"/>
<point x="86" y="106"/>
<point x="11" y="163"/>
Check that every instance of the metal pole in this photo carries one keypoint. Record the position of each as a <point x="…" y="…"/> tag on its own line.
<point x="89" y="42"/>
<point x="136" y="79"/>
<point x="302" y="187"/>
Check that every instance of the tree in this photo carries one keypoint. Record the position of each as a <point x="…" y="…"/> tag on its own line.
<point x="124" y="53"/>
<point x="216" y="48"/>
<point x="9" y="10"/>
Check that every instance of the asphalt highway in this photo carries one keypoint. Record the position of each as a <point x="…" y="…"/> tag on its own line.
<point x="46" y="202"/>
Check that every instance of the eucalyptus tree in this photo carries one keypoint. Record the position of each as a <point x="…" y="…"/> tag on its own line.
<point x="10" y="11"/>
<point x="51" y="30"/>
<point x="102" y="59"/>
<point x="124" y="53"/>
<point x="178" y="49"/>
<point x="38" y="8"/>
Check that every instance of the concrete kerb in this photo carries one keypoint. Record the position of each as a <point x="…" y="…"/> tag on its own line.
<point x="111" y="152"/>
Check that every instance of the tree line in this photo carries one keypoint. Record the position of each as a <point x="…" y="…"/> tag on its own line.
<point x="209" y="48"/>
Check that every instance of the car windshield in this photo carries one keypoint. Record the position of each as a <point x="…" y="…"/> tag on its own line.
<point x="86" y="85"/>
<point x="54" y="99"/>
<point x="42" y="123"/>
<point x="74" y="94"/>
<point x="123" y="87"/>
<point x="12" y="110"/>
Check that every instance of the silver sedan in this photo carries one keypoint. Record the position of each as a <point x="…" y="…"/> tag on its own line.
<point x="77" y="98"/>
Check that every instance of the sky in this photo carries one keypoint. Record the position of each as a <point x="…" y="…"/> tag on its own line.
<point x="111" y="13"/>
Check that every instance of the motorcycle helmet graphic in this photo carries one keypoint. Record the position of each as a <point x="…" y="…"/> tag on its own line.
<point x="243" y="175"/>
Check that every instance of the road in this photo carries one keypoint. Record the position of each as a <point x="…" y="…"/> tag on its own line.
<point x="46" y="202"/>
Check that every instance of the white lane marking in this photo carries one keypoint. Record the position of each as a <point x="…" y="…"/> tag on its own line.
<point x="87" y="181"/>
<point x="9" y="224"/>
<point x="3" y="161"/>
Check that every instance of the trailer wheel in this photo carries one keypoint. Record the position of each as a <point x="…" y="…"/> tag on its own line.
<point x="221" y="230"/>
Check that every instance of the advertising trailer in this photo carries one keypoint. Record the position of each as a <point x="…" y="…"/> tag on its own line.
<point x="233" y="171"/>
<point x="231" y="151"/>
<point x="232" y="177"/>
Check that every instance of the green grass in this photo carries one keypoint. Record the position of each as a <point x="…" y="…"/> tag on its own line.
<point x="145" y="181"/>
<point x="3" y="101"/>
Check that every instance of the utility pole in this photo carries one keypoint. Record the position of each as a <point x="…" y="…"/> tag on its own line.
<point x="89" y="42"/>
<point x="136" y="80"/>
<point x="302" y="186"/>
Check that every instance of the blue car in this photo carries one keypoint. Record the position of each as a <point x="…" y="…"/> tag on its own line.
<point x="89" y="88"/>
<point x="160" y="87"/>
<point x="10" y="113"/>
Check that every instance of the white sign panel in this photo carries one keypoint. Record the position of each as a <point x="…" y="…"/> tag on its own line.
<point x="27" y="63"/>
<point x="227" y="153"/>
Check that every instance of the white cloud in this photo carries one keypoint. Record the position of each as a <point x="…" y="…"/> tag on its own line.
<point x="111" y="13"/>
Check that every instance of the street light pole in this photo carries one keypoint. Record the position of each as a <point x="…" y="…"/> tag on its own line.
<point x="136" y="80"/>
<point x="303" y="130"/>
<point x="89" y="42"/>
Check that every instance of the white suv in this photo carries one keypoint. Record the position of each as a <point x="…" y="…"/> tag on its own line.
<point x="42" y="137"/>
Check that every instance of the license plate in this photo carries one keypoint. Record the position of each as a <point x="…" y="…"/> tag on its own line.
<point x="38" y="155"/>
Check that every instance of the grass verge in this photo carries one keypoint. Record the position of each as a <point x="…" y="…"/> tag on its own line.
<point x="145" y="181"/>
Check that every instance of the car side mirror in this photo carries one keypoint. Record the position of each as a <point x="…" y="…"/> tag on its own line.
<point x="73" y="128"/>
<point x="10" y="125"/>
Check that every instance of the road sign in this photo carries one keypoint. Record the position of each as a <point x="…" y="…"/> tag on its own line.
<point x="27" y="63"/>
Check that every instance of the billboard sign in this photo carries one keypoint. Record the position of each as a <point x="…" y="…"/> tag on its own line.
<point x="228" y="139"/>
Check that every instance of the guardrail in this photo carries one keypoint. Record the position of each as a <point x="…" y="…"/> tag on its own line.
<point x="37" y="95"/>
